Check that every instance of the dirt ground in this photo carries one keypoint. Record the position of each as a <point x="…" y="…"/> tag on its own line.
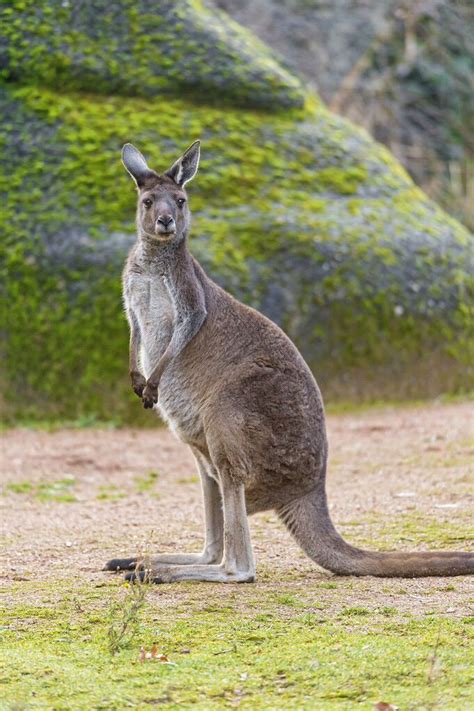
<point x="398" y="478"/>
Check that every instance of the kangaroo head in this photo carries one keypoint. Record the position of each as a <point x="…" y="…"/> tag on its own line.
<point x="162" y="213"/>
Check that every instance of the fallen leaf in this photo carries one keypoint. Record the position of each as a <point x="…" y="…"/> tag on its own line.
<point x="385" y="706"/>
<point x="154" y="654"/>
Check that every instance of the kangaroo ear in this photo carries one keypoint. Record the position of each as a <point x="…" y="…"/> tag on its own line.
<point x="186" y="167"/>
<point x="135" y="164"/>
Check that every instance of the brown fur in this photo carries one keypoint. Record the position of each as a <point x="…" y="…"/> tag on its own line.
<point x="234" y="388"/>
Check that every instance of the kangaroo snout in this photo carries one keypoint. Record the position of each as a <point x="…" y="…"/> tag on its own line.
<point x="165" y="224"/>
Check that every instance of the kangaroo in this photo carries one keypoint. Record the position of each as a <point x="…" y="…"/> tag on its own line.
<point x="233" y="387"/>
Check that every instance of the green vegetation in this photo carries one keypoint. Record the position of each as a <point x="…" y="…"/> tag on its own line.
<point x="71" y="637"/>
<point x="111" y="48"/>
<point x="193" y="479"/>
<point x="110" y="493"/>
<point x="21" y="487"/>
<point x="59" y="490"/>
<point x="430" y="532"/>
<point x="297" y="212"/>
<point x="147" y="482"/>
<point x="56" y="651"/>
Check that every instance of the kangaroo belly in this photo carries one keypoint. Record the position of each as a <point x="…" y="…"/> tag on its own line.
<point x="179" y="408"/>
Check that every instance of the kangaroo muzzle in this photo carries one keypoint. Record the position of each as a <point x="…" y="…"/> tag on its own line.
<point x="165" y="224"/>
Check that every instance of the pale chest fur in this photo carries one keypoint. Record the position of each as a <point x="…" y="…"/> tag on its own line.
<point x="148" y="299"/>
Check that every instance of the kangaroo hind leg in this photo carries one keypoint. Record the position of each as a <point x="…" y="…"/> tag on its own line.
<point x="214" y="529"/>
<point x="237" y="565"/>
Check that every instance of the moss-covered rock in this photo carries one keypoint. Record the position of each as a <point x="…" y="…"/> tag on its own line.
<point x="296" y="212"/>
<point x="142" y="48"/>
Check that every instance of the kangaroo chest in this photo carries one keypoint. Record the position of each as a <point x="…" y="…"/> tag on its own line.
<point x="150" y="302"/>
<point x="148" y="297"/>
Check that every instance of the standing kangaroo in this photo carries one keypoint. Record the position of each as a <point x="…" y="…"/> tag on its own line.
<point x="234" y="388"/>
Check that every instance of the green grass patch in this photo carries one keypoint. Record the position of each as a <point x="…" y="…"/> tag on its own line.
<point x="110" y="493"/>
<point x="56" y="651"/>
<point x="409" y="529"/>
<point x="59" y="490"/>
<point x="191" y="479"/>
<point x="355" y="611"/>
<point x="146" y="482"/>
<point x="20" y="487"/>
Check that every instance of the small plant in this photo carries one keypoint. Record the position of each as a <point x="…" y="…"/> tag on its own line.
<point x="355" y="611"/>
<point x="287" y="599"/>
<point x="433" y="661"/>
<point x="109" y="493"/>
<point x="145" y="483"/>
<point x="21" y="487"/>
<point x="188" y="479"/>
<point x="124" y="616"/>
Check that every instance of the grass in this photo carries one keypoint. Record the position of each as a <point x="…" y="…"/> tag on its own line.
<point x="333" y="407"/>
<point x="297" y="639"/>
<point x="110" y="492"/>
<point x="410" y="530"/>
<point x="192" y="479"/>
<point x="55" y="424"/>
<point x="59" y="490"/>
<point x="229" y="649"/>
<point x="342" y="407"/>
<point x="144" y="483"/>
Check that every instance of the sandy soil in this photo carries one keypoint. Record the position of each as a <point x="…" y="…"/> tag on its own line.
<point x="386" y="467"/>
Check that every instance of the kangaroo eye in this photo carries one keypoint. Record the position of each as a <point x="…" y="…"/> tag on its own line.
<point x="148" y="203"/>
<point x="180" y="202"/>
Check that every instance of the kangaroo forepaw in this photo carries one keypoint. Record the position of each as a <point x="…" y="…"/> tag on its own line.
<point x="138" y="383"/>
<point x="150" y="396"/>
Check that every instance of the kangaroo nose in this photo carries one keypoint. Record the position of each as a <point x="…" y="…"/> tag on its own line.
<point x="165" y="220"/>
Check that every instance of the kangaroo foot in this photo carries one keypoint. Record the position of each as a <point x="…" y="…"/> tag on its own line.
<point x="117" y="564"/>
<point x="204" y="573"/>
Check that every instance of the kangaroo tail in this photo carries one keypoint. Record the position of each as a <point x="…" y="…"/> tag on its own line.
<point x="309" y="522"/>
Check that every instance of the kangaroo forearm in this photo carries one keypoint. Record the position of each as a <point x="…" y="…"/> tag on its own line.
<point x="133" y="356"/>
<point x="157" y="372"/>
<point x="182" y="335"/>
<point x="134" y="343"/>
<point x="136" y="377"/>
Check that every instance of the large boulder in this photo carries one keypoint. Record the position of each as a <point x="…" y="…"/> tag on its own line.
<point x="296" y="211"/>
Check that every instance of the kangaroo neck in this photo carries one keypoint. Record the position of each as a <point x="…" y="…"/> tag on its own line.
<point x="166" y="259"/>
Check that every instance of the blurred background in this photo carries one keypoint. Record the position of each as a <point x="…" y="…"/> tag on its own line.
<point x="335" y="190"/>
<point x="403" y="69"/>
